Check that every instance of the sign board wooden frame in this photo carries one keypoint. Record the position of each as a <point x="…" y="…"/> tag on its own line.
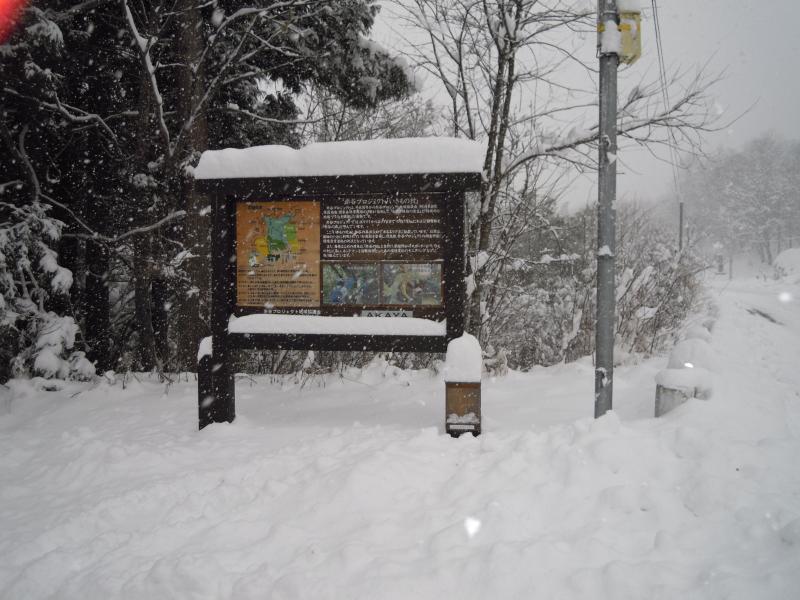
<point x="216" y="387"/>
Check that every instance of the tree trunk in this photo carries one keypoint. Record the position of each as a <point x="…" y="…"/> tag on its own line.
<point x="97" y="328"/>
<point x="490" y="189"/>
<point x="191" y="305"/>
<point x="159" y="298"/>
<point x="473" y="317"/>
<point x="142" y="242"/>
<point x="767" y="248"/>
<point x="142" y="267"/>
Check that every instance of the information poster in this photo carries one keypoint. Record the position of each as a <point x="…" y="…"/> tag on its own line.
<point x="328" y="255"/>
<point x="375" y="228"/>
<point x="277" y="254"/>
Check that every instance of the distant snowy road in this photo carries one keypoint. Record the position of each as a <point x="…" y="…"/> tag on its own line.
<point x="351" y="490"/>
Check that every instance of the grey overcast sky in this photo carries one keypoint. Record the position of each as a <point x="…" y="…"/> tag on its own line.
<point x="754" y="41"/>
<point x="757" y="42"/>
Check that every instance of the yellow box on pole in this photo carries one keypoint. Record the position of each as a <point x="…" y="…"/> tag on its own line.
<point x="630" y="28"/>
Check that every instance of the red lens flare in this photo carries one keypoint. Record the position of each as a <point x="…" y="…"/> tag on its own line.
<point x="10" y="11"/>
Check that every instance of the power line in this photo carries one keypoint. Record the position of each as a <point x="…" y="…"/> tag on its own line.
<point x="662" y="71"/>
<point x="672" y="142"/>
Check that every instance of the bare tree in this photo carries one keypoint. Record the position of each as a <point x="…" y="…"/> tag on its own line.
<point x="748" y="199"/>
<point x="328" y="119"/>
<point x="515" y="75"/>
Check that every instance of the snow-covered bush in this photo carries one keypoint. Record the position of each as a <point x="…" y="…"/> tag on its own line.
<point x="551" y="317"/>
<point x="657" y="284"/>
<point x="283" y="362"/>
<point x="36" y="338"/>
<point x="787" y="264"/>
<point x="36" y="327"/>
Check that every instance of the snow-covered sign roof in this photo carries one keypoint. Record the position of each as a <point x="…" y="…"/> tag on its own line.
<point x="371" y="157"/>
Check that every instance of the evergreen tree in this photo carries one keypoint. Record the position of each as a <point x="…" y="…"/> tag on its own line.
<point x="105" y="107"/>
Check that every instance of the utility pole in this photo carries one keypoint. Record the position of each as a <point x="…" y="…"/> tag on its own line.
<point x="680" y="225"/>
<point x="608" y="19"/>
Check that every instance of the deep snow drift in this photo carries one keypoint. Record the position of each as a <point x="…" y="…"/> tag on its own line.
<point x="351" y="490"/>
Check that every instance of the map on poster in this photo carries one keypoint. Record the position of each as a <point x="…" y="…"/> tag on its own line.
<point x="277" y="254"/>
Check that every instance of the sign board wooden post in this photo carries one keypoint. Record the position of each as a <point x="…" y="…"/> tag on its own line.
<point x="216" y="396"/>
<point x="361" y="262"/>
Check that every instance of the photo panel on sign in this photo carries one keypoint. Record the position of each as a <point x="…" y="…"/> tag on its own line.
<point x="412" y="284"/>
<point x="350" y="284"/>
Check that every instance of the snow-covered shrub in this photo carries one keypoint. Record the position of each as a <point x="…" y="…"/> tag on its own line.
<point x="55" y="336"/>
<point x="283" y="362"/>
<point x="55" y="356"/>
<point x="551" y="316"/>
<point x="545" y="324"/>
<point x="657" y="285"/>
<point x="37" y="339"/>
<point x="787" y="264"/>
<point x="38" y="333"/>
<point x="81" y="368"/>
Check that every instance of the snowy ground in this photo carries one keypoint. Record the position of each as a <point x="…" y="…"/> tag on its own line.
<point x="351" y="490"/>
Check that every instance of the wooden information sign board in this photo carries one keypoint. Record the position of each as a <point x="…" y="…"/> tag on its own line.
<point x="371" y="246"/>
